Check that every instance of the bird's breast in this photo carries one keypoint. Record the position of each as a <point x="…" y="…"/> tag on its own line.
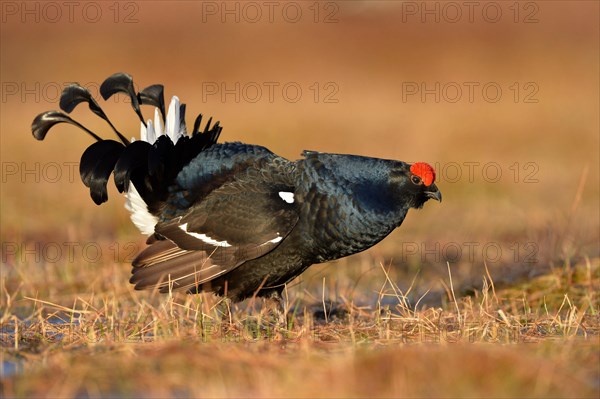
<point x="335" y="225"/>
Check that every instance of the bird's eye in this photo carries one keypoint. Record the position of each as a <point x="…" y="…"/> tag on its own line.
<point x="416" y="179"/>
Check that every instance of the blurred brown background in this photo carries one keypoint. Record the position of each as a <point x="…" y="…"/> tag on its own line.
<point x="383" y="79"/>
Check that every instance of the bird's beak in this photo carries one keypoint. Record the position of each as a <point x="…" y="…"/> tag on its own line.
<point x="434" y="193"/>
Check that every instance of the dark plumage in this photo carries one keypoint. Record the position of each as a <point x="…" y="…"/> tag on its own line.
<point x="234" y="218"/>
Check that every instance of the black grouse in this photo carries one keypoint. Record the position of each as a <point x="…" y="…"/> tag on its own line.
<point x="234" y="218"/>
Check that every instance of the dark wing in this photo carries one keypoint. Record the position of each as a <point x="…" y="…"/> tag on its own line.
<point x="243" y="219"/>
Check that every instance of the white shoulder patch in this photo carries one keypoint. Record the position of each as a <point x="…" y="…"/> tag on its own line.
<point x="287" y="196"/>
<point x="140" y="216"/>
<point x="276" y="239"/>
<point x="204" y="237"/>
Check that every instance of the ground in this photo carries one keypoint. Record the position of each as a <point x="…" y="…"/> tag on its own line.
<point x="492" y="293"/>
<point x="531" y="339"/>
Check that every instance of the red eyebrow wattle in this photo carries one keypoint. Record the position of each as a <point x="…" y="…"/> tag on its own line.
<point x="424" y="171"/>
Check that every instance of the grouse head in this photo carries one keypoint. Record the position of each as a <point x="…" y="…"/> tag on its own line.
<point x="414" y="184"/>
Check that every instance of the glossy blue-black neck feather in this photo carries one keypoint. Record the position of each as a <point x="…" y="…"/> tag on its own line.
<point x="348" y="203"/>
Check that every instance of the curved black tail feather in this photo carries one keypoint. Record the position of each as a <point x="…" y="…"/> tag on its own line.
<point x="151" y="166"/>
<point x="96" y="165"/>
<point x="74" y="94"/>
<point x="44" y="121"/>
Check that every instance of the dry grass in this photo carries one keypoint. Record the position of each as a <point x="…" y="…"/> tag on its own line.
<point x="408" y="318"/>
<point x="531" y="340"/>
